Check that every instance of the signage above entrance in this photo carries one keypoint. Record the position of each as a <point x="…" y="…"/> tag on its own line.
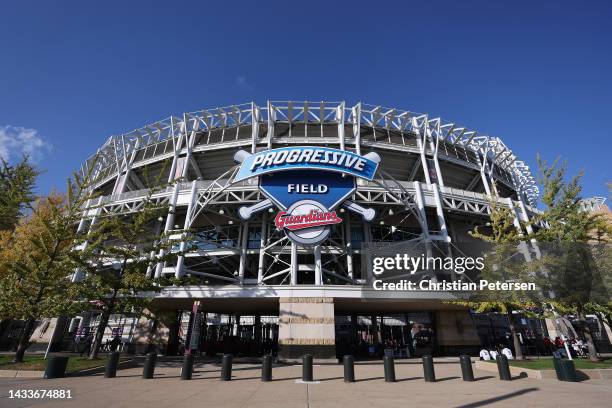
<point x="285" y="188"/>
<point x="307" y="184"/>
<point x="292" y="158"/>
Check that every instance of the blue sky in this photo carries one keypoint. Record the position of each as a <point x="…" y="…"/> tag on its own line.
<point x="536" y="74"/>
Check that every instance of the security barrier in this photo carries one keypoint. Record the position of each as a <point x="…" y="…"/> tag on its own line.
<point x="111" y="364"/>
<point x="226" y="367"/>
<point x="307" y="368"/>
<point x="149" y="366"/>
<point x="187" y="370"/>
<point x="466" y="367"/>
<point x="266" y="368"/>
<point x="428" y="369"/>
<point x="389" y="365"/>
<point x="349" y="369"/>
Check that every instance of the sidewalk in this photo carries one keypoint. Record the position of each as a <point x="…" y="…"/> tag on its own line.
<point x="329" y="389"/>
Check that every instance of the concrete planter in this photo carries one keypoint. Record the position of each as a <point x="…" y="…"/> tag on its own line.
<point x="592" y="374"/>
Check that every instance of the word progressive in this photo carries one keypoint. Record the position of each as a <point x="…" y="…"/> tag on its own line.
<point x="308" y="156"/>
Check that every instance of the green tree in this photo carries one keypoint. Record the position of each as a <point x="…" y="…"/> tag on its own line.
<point x="35" y="258"/>
<point x="16" y="191"/>
<point x="115" y="263"/>
<point x="569" y="242"/>
<point x="504" y="262"/>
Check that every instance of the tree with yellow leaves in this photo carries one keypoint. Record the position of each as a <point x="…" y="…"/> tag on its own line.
<point x="36" y="261"/>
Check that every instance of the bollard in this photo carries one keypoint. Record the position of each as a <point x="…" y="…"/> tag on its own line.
<point x="266" y="368"/>
<point x="149" y="365"/>
<point x="111" y="364"/>
<point x="56" y="367"/>
<point x="389" y="369"/>
<point x="466" y="367"/>
<point x="349" y="369"/>
<point x="187" y="371"/>
<point x="503" y="368"/>
<point x="226" y="367"/>
<point x="307" y="368"/>
<point x="428" y="369"/>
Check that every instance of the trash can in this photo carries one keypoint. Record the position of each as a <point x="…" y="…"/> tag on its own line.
<point x="56" y="367"/>
<point x="558" y="370"/>
<point x="568" y="370"/>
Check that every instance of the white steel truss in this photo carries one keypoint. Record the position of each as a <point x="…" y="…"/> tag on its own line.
<point x="446" y="140"/>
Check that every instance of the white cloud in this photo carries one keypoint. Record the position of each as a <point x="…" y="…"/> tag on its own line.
<point x="241" y="82"/>
<point x="15" y="141"/>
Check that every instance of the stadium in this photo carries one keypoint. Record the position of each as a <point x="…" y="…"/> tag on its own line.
<point x="298" y="288"/>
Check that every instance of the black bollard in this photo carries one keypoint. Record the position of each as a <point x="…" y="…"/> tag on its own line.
<point x="187" y="371"/>
<point x="266" y="368"/>
<point x="503" y="368"/>
<point x="428" y="369"/>
<point x="149" y="365"/>
<point x="349" y="369"/>
<point x="389" y="369"/>
<point x="111" y="364"/>
<point x="466" y="368"/>
<point x="226" y="368"/>
<point x="307" y="368"/>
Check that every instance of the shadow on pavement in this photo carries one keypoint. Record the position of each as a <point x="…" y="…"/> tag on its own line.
<point x="486" y="377"/>
<point x="329" y="379"/>
<point x="446" y="378"/>
<point x="369" y="379"/>
<point x="497" y="399"/>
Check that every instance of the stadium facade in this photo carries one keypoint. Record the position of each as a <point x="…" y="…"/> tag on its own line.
<point x="257" y="286"/>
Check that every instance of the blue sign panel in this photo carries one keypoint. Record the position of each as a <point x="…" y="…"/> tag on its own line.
<point x="299" y="157"/>
<point x="286" y="188"/>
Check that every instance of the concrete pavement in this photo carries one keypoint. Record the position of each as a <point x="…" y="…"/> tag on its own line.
<point x="330" y="391"/>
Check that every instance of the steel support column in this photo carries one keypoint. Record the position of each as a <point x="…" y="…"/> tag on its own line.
<point x="440" y="213"/>
<point x="357" y="127"/>
<point x="420" y="139"/>
<point x="482" y="162"/>
<point x="349" y="245"/>
<point x="340" y="119"/>
<point x="78" y="273"/>
<point x="177" y="148"/>
<point x="517" y="224"/>
<point x="271" y="118"/>
<point x="180" y="262"/>
<point x="262" y="252"/>
<point x="421" y="207"/>
<point x="243" y="251"/>
<point x="293" y="270"/>
<point x="434" y="144"/>
<point x="168" y="227"/>
<point x="254" y="126"/>
<point x="318" y="268"/>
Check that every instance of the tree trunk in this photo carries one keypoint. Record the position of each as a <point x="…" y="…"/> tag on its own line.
<point x="97" y="343"/>
<point x="515" y="338"/>
<point x="24" y="340"/>
<point x="588" y="337"/>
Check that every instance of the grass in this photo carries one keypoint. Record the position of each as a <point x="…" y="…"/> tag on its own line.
<point x="37" y="363"/>
<point x="546" y="363"/>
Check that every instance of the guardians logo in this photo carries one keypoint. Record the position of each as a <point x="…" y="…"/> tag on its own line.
<point x="307" y="185"/>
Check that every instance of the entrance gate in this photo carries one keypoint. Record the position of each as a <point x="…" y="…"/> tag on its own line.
<point x="374" y="335"/>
